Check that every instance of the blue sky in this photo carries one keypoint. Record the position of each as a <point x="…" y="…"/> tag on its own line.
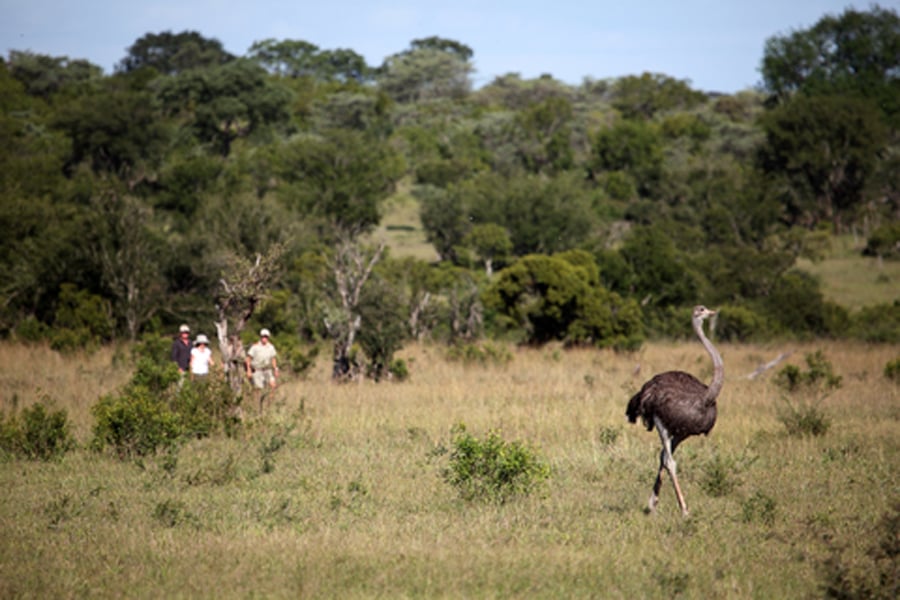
<point x="715" y="44"/>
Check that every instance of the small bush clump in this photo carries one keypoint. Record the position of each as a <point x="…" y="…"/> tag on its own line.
<point x="804" y="419"/>
<point x="759" y="507"/>
<point x="38" y="433"/>
<point x="819" y="375"/>
<point x="492" y="469"/>
<point x="483" y="354"/>
<point x="877" y="577"/>
<point x="156" y="410"/>
<point x="892" y="370"/>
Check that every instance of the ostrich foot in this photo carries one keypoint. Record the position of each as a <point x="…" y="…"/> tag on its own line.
<point x="651" y="504"/>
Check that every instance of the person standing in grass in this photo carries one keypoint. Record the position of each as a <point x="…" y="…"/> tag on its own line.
<point x="201" y="358"/>
<point x="262" y="366"/>
<point x="181" y="350"/>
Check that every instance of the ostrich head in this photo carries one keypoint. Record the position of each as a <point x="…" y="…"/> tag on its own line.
<point x="701" y="313"/>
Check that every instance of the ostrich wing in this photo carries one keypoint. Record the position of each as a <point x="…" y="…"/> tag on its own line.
<point x="677" y="399"/>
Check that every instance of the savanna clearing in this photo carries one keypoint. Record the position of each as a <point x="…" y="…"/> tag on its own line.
<point x="336" y="491"/>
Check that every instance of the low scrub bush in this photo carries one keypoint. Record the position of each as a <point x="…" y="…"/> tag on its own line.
<point x="134" y="424"/>
<point x="803" y="419"/>
<point x="879" y="323"/>
<point x="759" y="508"/>
<point x="741" y="324"/>
<point x="37" y="433"/>
<point x="884" y="242"/>
<point x="818" y="376"/>
<point x="492" y="469"/>
<point x="892" y="370"/>
<point x="156" y="410"/>
<point x="877" y="576"/>
<point x="483" y="354"/>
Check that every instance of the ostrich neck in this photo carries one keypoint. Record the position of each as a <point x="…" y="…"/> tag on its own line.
<point x="718" y="379"/>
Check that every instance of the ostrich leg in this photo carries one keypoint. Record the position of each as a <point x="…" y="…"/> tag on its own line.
<point x="667" y="462"/>
<point x="654" y="495"/>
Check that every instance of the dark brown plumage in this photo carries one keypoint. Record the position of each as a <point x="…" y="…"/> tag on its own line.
<point x="679" y="406"/>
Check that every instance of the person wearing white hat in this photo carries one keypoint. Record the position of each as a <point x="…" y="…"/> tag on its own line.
<point x="181" y="349"/>
<point x="262" y="365"/>
<point x="201" y="358"/>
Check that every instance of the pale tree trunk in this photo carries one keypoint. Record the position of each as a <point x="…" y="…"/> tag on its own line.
<point x="416" y="327"/>
<point x="351" y="271"/>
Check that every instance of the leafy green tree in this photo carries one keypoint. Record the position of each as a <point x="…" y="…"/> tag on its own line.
<point x="342" y="177"/>
<point x="429" y="70"/>
<point x="172" y="53"/>
<point x="444" y="219"/>
<point x="542" y="215"/>
<point x="116" y="130"/>
<point x="440" y="44"/>
<point x="559" y="298"/>
<point x="631" y="147"/>
<point x="44" y="75"/>
<point x="489" y="241"/>
<point x="644" y="96"/>
<point x="287" y="58"/>
<point x="88" y="316"/>
<point x="384" y="325"/>
<point x="854" y="53"/>
<point x="223" y="103"/>
<point x="661" y="274"/>
<point x="547" y="143"/>
<point x="823" y="150"/>
<point x="513" y="93"/>
<point x="361" y="108"/>
<point x="128" y="255"/>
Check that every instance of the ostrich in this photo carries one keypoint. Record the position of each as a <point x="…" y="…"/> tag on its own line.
<point x="679" y="406"/>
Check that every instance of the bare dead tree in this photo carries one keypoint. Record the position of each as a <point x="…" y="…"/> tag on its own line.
<point x="417" y="326"/>
<point x="351" y="269"/>
<point x="466" y="312"/>
<point x="243" y="285"/>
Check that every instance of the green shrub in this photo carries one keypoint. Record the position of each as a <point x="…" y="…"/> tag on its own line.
<point x="155" y="409"/>
<point x="30" y="329"/>
<point x="879" y="323"/>
<point x="398" y="370"/>
<point x="134" y="424"/>
<point x="492" y="469"/>
<point x="796" y="303"/>
<point x="892" y="370"/>
<point x="819" y="375"/>
<point x="37" y="433"/>
<point x="884" y="242"/>
<point x="741" y="324"/>
<point x="804" y="419"/>
<point x="759" y="507"/>
<point x="876" y="577"/>
<point x="484" y="354"/>
<point x="205" y="406"/>
<point x="560" y="298"/>
<point x="718" y="478"/>
<point x="81" y="320"/>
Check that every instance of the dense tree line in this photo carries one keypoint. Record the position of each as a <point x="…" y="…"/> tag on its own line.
<point x="590" y="214"/>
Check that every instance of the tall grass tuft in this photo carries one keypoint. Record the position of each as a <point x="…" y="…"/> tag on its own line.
<point x="803" y="419"/>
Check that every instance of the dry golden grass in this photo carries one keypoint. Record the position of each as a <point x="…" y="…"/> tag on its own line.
<point x="353" y="504"/>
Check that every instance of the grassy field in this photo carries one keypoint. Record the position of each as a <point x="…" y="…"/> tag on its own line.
<point x="336" y="491"/>
<point x="853" y="280"/>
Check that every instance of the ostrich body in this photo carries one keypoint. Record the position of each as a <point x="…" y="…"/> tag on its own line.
<point x="679" y="406"/>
